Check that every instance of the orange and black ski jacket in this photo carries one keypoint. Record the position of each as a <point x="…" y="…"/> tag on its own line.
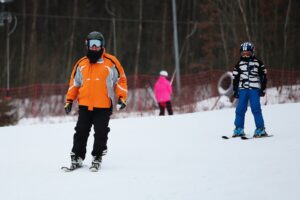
<point x="96" y="84"/>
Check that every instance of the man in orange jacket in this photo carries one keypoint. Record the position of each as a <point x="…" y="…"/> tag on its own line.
<point x="96" y="80"/>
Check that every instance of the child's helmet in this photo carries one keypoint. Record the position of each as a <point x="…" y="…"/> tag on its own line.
<point x="163" y="73"/>
<point x="247" y="50"/>
<point x="247" y="46"/>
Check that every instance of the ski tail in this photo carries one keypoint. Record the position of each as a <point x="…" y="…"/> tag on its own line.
<point x="226" y="137"/>
<point x="249" y="138"/>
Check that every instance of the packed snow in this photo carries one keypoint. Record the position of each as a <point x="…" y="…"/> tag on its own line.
<point x="180" y="157"/>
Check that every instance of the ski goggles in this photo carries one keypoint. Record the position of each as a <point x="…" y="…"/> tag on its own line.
<point x="92" y="43"/>
<point x="246" y="53"/>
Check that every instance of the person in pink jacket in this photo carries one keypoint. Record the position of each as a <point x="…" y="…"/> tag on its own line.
<point x="163" y="92"/>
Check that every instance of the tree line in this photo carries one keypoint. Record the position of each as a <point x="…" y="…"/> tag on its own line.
<point x="50" y="35"/>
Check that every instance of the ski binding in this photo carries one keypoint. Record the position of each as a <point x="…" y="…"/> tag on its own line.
<point x="248" y="138"/>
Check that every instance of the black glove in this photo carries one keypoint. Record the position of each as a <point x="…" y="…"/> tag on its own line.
<point x="236" y="94"/>
<point x="68" y="107"/>
<point x="121" y="104"/>
<point x="262" y="93"/>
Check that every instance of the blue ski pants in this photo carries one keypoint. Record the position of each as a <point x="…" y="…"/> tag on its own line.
<point x="246" y="95"/>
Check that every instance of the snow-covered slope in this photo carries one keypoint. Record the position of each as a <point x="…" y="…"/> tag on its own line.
<point x="181" y="157"/>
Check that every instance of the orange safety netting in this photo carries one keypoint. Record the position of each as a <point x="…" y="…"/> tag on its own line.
<point x="48" y="99"/>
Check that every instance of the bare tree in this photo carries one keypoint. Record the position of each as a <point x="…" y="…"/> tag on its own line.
<point x="245" y="19"/>
<point x="286" y="25"/>
<point x="110" y="10"/>
<point x="163" y="34"/>
<point x="222" y="30"/>
<point x="32" y="61"/>
<point x="23" y="43"/>
<point x="138" y="47"/>
<point x="73" y="29"/>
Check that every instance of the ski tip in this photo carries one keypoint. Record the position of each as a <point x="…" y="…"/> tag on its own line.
<point x="225" y="137"/>
<point x="69" y="169"/>
<point x="66" y="169"/>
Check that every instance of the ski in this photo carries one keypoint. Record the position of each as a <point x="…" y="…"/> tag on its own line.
<point x="229" y="137"/>
<point x="70" y="169"/>
<point x="93" y="168"/>
<point x="249" y="138"/>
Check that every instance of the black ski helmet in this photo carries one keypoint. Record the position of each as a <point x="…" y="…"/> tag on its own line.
<point x="95" y="35"/>
<point x="247" y="46"/>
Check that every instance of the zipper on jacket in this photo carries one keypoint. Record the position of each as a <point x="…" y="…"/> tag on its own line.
<point x="248" y="74"/>
<point x="90" y="107"/>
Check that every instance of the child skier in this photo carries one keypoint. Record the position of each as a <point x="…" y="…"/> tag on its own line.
<point x="163" y="92"/>
<point x="249" y="84"/>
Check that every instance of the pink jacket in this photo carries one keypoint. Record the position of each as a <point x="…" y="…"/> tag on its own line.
<point x="162" y="90"/>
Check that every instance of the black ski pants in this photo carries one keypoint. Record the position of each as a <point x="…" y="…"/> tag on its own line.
<point x="99" y="117"/>
<point x="163" y="106"/>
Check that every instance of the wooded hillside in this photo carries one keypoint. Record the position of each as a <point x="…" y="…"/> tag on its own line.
<point x="50" y="35"/>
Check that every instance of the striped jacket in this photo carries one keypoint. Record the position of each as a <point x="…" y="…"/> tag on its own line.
<point x="249" y="74"/>
<point x="95" y="85"/>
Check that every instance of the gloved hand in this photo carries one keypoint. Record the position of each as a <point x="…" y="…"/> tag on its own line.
<point x="262" y="93"/>
<point x="236" y="94"/>
<point x="68" y="107"/>
<point x="121" y="104"/>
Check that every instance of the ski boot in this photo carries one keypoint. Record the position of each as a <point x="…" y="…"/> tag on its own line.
<point x="96" y="163"/>
<point x="238" y="132"/>
<point x="76" y="161"/>
<point x="260" y="132"/>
